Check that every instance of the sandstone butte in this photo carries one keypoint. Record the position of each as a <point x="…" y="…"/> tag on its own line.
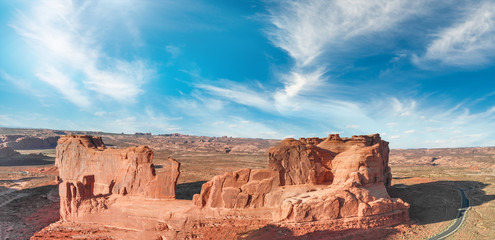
<point x="311" y="184"/>
<point x="6" y="151"/>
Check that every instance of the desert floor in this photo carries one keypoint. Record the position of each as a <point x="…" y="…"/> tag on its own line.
<point x="29" y="196"/>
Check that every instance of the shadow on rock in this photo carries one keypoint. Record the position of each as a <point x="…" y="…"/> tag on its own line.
<point x="439" y="201"/>
<point x="187" y="190"/>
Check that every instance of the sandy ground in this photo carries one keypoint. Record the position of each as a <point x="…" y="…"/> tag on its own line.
<point x="28" y="194"/>
<point x="29" y="198"/>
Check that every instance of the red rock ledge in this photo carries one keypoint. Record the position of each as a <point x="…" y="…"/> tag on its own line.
<point x="314" y="184"/>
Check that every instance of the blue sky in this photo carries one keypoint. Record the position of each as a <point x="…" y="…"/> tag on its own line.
<point x="421" y="73"/>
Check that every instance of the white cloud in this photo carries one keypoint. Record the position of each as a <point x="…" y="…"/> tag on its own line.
<point x="296" y="83"/>
<point x="306" y="28"/>
<point x="309" y="30"/>
<point x="69" y="89"/>
<point x="23" y="84"/>
<point x="100" y="113"/>
<point x="470" y="42"/>
<point x="218" y="123"/>
<point x="173" y="50"/>
<point x="63" y="38"/>
<point x="240" y="94"/>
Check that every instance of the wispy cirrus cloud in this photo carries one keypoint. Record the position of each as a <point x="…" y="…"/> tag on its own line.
<point x="311" y="32"/>
<point x="308" y="30"/>
<point x="468" y="42"/>
<point x="64" y="85"/>
<point x="239" y="94"/>
<point x="63" y="40"/>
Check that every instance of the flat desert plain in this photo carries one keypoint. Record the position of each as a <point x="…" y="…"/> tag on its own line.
<point x="428" y="179"/>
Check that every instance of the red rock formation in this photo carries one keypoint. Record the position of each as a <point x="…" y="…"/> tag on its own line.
<point x="338" y="178"/>
<point x="332" y="184"/>
<point x="21" y="142"/>
<point x="90" y="173"/>
<point x="360" y="171"/>
<point x="7" y="152"/>
<point x="300" y="163"/>
<point x="241" y="189"/>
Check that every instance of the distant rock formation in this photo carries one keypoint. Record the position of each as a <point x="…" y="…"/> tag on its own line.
<point x="311" y="184"/>
<point x="6" y="151"/>
<point x="21" y="142"/>
<point x="90" y="173"/>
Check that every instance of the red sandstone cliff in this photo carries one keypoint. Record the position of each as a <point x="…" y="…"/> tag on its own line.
<point x="331" y="183"/>
<point x="337" y="178"/>
<point x="91" y="173"/>
<point x="21" y="142"/>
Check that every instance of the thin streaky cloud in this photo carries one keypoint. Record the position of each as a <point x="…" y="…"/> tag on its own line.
<point x="56" y="31"/>
<point x="68" y="88"/>
<point x="470" y="42"/>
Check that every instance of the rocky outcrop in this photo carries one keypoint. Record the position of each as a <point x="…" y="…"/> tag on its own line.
<point x="241" y="189"/>
<point x="7" y="152"/>
<point x="301" y="163"/>
<point x="312" y="183"/>
<point x="336" y="178"/>
<point x="91" y="173"/>
<point x="21" y="142"/>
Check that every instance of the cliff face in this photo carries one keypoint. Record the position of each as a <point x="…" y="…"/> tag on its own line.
<point x="20" y="142"/>
<point x="332" y="183"/>
<point x="91" y="173"/>
<point x="7" y="151"/>
<point x="336" y="178"/>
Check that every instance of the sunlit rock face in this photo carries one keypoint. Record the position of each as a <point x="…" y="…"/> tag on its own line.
<point x="312" y="179"/>
<point x="328" y="183"/>
<point x="91" y="173"/>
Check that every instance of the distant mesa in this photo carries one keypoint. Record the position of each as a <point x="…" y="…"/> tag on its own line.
<point x="22" y="142"/>
<point x="6" y="151"/>
<point x="311" y="184"/>
<point x="143" y="134"/>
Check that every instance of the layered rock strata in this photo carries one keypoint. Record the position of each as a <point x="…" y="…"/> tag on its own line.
<point x="91" y="173"/>
<point x="312" y="183"/>
<point x="351" y="173"/>
<point x="21" y="142"/>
